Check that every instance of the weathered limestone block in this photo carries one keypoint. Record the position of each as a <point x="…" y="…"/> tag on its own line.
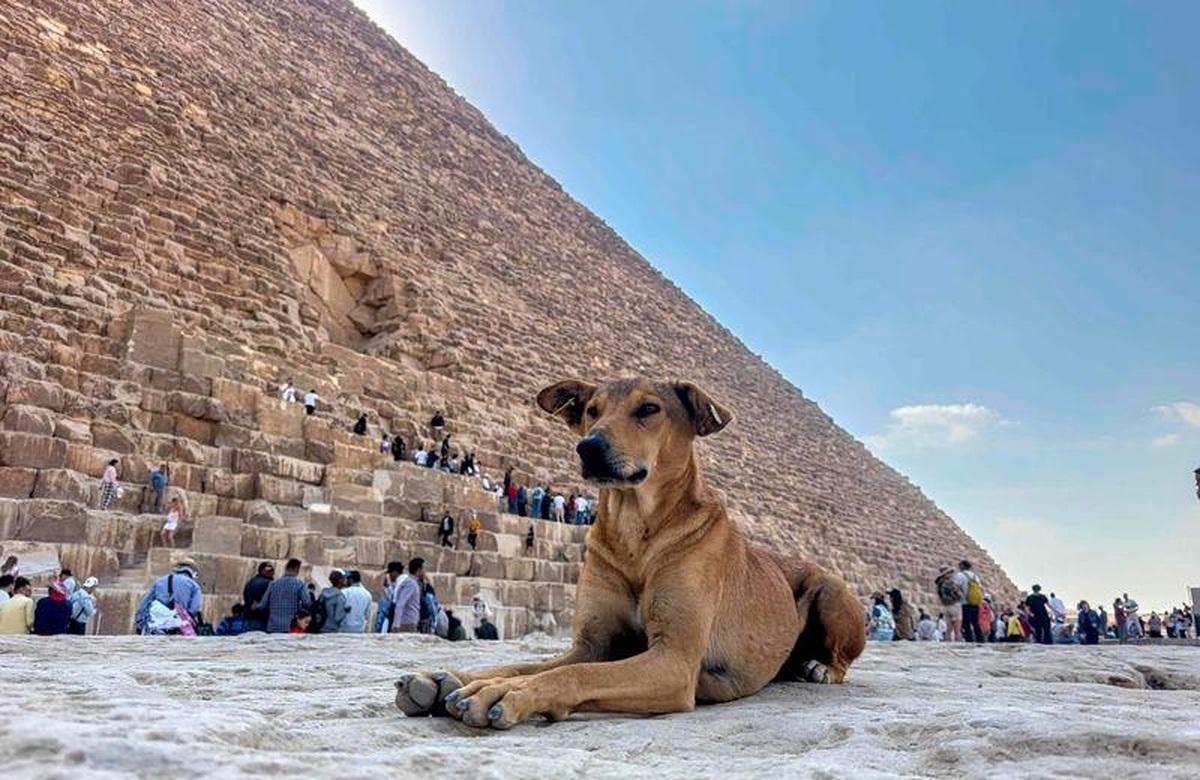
<point x="45" y="521"/>
<point x="335" y="475"/>
<point x="73" y="430"/>
<point x="280" y="419"/>
<point x="355" y="457"/>
<point x="110" y="437"/>
<point x="357" y="498"/>
<point x="236" y="395"/>
<point x="265" y="543"/>
<point x="189" y="427"/>
<point x="153" y="338"/>
<point x="255" y="462"/>
<point x="279" y="491"/>
<point x="215" y="534"/>
<point x="63" y="485"/>
<point x="308" y="547"/>
<point x="262" y="513"/>
<point x="28" y="419"/>
<point x="33" y="392"/>
<point x="518" y="568"/>
<point x="422" y="486"/>
<point x="197" y="363"/>
<point x="31" y="451"/>
<point x="370" y="551"/>
<point x="17" y="482"/>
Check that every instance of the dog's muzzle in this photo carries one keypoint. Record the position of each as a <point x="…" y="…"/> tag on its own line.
<point x="599" y="463"/>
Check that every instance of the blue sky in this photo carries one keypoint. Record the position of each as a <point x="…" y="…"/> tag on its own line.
<point x="969" y="231"/>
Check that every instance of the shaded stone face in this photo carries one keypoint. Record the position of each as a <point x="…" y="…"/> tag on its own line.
<point x="187" y="221"/>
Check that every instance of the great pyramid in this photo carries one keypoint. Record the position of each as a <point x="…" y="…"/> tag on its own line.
<point x="201" y="199"/>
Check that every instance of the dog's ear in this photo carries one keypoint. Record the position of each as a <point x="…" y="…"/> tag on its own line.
<point x="707" y="415"/>
<point x="567" y="400"/>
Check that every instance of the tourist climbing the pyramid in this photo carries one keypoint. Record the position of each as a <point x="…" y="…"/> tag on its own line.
<point x="311" y="399"/>
<point x="360" y="425"/>
<point x="110" y="490"/>
<point x="437" y="424"/>
<point x="175" y="512"/>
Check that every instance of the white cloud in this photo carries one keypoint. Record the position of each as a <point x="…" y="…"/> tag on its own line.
<point x="936" y="425"/>
<point x="1166" y="440"/>
<point x="1185" y="412"/>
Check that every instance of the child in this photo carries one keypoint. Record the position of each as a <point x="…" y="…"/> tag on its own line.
<point x="300" y="622"/>
<point x="174" y="515"/>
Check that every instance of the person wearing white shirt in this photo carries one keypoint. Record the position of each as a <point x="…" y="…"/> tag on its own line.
<point x="287" y="392"/>
<point x="1058" y="608"/>
<point x="358" y="605"/>
<point x="310" y="401"/>
<point x="560" y="505"/>
<point x="581" y="507"/>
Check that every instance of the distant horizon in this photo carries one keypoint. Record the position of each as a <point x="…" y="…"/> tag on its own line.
<point x="963" y="232"/>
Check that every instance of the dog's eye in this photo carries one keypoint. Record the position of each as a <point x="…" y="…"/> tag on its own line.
<point x="593" y="412"/>
<point x="645" y="410"/>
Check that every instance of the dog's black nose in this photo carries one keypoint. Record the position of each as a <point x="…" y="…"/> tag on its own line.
<point x="593" y="450"/>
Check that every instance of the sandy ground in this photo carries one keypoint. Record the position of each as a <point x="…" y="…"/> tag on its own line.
<point x="323" y="706"/>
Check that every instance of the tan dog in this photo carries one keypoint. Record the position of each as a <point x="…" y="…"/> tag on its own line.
<point x="674" y="606"/>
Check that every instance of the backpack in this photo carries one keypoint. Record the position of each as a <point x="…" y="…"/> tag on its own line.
<point x="948" y="590"/>
<point x="974" y="590"/>
<point x="319" y="615"/>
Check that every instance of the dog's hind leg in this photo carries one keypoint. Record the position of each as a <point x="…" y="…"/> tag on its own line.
<point x="832" y="631"/>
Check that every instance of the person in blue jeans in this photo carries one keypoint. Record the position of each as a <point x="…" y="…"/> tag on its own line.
<point x="159" y="479"/>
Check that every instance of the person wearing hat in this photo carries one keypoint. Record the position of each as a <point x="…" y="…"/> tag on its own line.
<point x="52" y="612"/>
<point x="83" y="607"/>
<point x="180" y="587"/>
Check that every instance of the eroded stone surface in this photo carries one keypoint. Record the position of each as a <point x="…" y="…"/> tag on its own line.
<point x="317" y="705"/>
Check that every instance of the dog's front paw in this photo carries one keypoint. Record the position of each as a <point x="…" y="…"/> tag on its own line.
<point x="424" y="693"/>
<point x="500" y="703"/>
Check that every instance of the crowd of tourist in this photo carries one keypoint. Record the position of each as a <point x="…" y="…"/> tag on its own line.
<point x="408" y="603"/>
<point x="966" y="613"/>
<point x="67" y="608"/>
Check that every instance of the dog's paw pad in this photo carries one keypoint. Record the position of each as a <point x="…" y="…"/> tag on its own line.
<point x="815" y="672"/>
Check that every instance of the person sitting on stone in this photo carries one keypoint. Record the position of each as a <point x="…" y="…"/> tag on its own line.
<point x="6" y="587"/>
<point x="300" y="622"/>
<point x="83" y="606"/>
<point x="233" y="624"/>
<point x="53" y="612"/>
<point x="17" y="612"/>
<point x="360" y="426"/>
<point x="397" y="448"/>
<point x="421" y="455"/>
<point x="108" y="484"/>
<point x="454" y="631"/>
<point x="180" y="588"/>
<point x="486" y="630"/>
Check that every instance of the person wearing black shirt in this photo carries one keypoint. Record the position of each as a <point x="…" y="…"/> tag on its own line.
<point x="397" y="448"/>
<point x="360" y="427"/>
<point x="253" y="594"/>
<point x="1039" y="616"/>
